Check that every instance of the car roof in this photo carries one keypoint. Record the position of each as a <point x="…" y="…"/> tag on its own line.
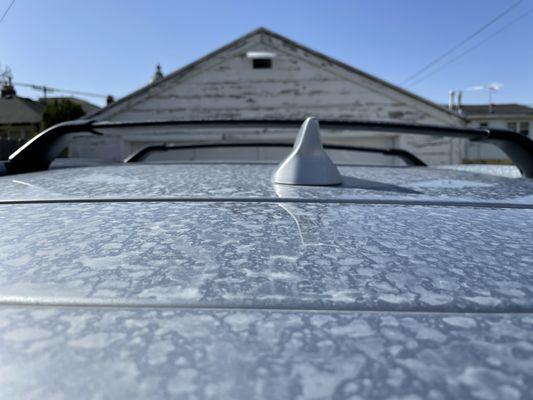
<point x="157" y="281"/>
<point x="248" y="181"/>
<point x="369" y="215"/>
<point x="256" y="254"/>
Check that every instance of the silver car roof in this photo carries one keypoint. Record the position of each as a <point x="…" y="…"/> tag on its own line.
<point x="253" y="182"/>
<point x="208" y="281"/>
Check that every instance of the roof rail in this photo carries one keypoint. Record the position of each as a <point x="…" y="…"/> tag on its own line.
<point x="39" y="152"/>
<point x="140" y="155"/>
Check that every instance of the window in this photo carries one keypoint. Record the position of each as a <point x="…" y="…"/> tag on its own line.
<point x="262" y="63"/>
<point x="483" y="124"/>
<point x="520" y="127"/>
<point x="523" y="128"/>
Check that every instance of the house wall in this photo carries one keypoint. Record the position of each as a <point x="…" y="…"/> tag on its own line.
<point x="300" y="84"/>
<point x="12" y="136"/>
<point x="18" y="131"/>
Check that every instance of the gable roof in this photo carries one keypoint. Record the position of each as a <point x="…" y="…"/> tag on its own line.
<point x="87" y="107"/>
<point x="496" y="110"/>
<point x="16" y="110"/>
<point x="289" y="42"/>
<point x="19" y="110"/>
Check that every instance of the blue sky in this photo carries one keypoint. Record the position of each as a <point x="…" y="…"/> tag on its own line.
<point x="112" y="46"/>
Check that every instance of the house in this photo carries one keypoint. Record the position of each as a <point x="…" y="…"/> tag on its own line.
<point x="20" y="117"/>
<point x="264" y="75"/>
<point x="88" y="108"/>
<point x="514" y="117"/>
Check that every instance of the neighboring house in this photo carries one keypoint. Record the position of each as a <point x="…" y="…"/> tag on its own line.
<point x="20" y="117"/>
<point x="19" y="120"/>
<point x="264" y="75"/>
<point x="88" y="108"/>
<point x="514" y="117"/>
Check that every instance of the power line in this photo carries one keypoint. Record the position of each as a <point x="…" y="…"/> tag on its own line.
<point x="472" y="48"/>
<point x="7" y="10"/>
<point x="462" y="42"/>
<point x="52" y="89"/>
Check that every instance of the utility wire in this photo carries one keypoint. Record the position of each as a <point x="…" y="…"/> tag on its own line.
<point x="472" y="48"/>
<point x="52" y="89"/>
<point x="7" y="10"/>
<point x="462" y="42"/>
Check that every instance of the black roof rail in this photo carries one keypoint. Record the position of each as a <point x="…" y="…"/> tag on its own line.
<point x="139" y="155"/>
<point x="39" y="152"/>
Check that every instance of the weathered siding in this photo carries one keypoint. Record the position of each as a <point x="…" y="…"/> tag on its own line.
<point x="300" y="84"/>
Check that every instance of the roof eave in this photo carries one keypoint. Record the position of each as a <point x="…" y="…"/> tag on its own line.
<point x="499" y="116"/>
<point x="173" y="74"/>
<point x="365" y="74"/>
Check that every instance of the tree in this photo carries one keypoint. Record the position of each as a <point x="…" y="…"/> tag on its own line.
<point x="59" y="111"/>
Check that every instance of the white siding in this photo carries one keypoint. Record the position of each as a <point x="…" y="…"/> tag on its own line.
<point x="300" y="84"/>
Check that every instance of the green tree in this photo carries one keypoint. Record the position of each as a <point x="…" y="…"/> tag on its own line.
<point x="59" y="111"/>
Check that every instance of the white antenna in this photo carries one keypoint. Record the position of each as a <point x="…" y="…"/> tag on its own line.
<point x="308" y="164"/>
<point x="490" y="88"/>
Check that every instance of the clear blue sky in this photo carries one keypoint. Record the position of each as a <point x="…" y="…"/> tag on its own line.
<point x="112" y="46"/>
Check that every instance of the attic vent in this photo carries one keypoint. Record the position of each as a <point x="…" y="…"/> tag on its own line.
<point x="261" y="59"/>
<point x="262" y="63"/>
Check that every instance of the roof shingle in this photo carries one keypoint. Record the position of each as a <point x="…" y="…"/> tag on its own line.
<point x="19" y="110"/>
<point x="497" y="109"/>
